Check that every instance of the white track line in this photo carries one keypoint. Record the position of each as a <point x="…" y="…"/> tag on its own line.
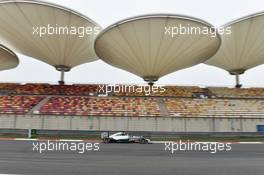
<point x="10" y="174"/>
<point x="163" y="142"/>
<point x="251" y="142"/>
<point x="24" y="139"/>
<point x="65" y="140"/>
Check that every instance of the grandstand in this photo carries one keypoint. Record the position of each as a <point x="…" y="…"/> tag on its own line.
<point x="75" y="103"/>
<point x="85" y="100"/>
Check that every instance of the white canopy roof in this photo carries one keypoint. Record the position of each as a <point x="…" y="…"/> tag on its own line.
<point x="8" y="59"/>
<point x="17" y="19"/>
<point x="244" y="47"/>
<point x="141" y="46"/>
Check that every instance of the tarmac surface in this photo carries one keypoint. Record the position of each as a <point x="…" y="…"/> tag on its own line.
<point x="18" y="157"/>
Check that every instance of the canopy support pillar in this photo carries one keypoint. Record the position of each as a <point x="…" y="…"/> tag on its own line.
<point x="237" y="73"/>
<point x="150" y="80"/>
<point x="61" y="82"/>
<point x="63" y="70"/>
<point x="238" y="85"/>
<point x="151" y="83"/>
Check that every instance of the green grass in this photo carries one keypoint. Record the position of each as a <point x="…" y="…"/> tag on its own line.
<point x="90" y="137"/>
<point x="11" y="136"/>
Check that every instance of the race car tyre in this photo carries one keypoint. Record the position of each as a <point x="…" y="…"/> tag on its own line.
<point x="106" y="140"/>
<point x="143" y="141"/>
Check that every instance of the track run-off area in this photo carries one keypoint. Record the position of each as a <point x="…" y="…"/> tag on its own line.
<point x="19" y="157"/>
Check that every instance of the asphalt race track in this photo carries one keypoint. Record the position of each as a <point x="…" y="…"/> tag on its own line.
<point x="17" y="157"/>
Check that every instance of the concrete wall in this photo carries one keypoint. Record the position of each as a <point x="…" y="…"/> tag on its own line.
<point x="166" y="124"/>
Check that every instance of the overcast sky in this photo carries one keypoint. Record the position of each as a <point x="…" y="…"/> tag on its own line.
<point x="106" y="12"/>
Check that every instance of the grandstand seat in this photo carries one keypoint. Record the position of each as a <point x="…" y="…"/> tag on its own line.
<point x="47" y="89"/>
<point x="237" y="92"/>
<point x="18" y="104"/>
<point x="170" y="91"/>
<point x="214" y="107"/>
<point x="100" y="106"/>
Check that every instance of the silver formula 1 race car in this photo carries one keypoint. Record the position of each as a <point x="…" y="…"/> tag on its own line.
<point x="122" y="137"/>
